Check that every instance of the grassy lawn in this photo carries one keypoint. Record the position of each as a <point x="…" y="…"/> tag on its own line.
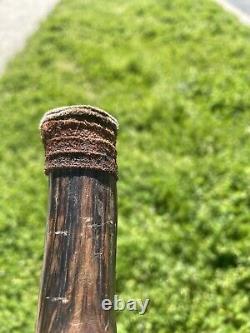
<point x="176" y="75"/>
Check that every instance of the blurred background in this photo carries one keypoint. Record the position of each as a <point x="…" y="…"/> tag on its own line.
<point x="176" y="76"/>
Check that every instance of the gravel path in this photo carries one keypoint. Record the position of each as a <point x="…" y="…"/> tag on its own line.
<point x="240" y="8"/>
<point x="18" y="20"/>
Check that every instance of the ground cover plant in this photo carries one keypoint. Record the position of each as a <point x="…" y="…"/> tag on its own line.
<point x="176" y="75"/>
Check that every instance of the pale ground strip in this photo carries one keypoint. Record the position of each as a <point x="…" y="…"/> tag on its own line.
<point x="18" y="20"/>
<point x="240" y="8"/>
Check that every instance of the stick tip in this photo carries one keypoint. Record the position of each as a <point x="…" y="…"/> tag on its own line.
<point x="79" y="136"/>
<point x="66" y="112"/>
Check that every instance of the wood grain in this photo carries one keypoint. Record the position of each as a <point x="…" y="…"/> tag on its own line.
<point x="80" y="253"/>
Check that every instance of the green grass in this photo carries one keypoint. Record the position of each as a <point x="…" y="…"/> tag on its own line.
<point x="176" y="75"/>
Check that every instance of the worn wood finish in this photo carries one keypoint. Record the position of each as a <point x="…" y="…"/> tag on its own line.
<point x="80" y="253"/>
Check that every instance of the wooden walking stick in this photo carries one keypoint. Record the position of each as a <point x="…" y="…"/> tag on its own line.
<point x="80" y="248"/>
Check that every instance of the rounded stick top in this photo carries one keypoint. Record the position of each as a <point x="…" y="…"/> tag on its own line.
<point x="79" y="137"/>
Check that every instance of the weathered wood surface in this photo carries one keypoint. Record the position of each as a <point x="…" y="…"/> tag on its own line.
<point x="80" y="254"/>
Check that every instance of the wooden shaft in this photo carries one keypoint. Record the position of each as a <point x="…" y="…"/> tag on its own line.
<point x="80" y="252"/>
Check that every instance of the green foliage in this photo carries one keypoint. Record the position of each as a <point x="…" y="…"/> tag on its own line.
<point x="176" y="75"/>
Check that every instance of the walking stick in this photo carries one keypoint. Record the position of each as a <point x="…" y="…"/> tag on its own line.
<point x="80" y="248"/>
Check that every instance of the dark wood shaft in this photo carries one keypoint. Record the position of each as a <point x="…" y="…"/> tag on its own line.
<point x="80" y="249"/>
<point x="80" y="253"/>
